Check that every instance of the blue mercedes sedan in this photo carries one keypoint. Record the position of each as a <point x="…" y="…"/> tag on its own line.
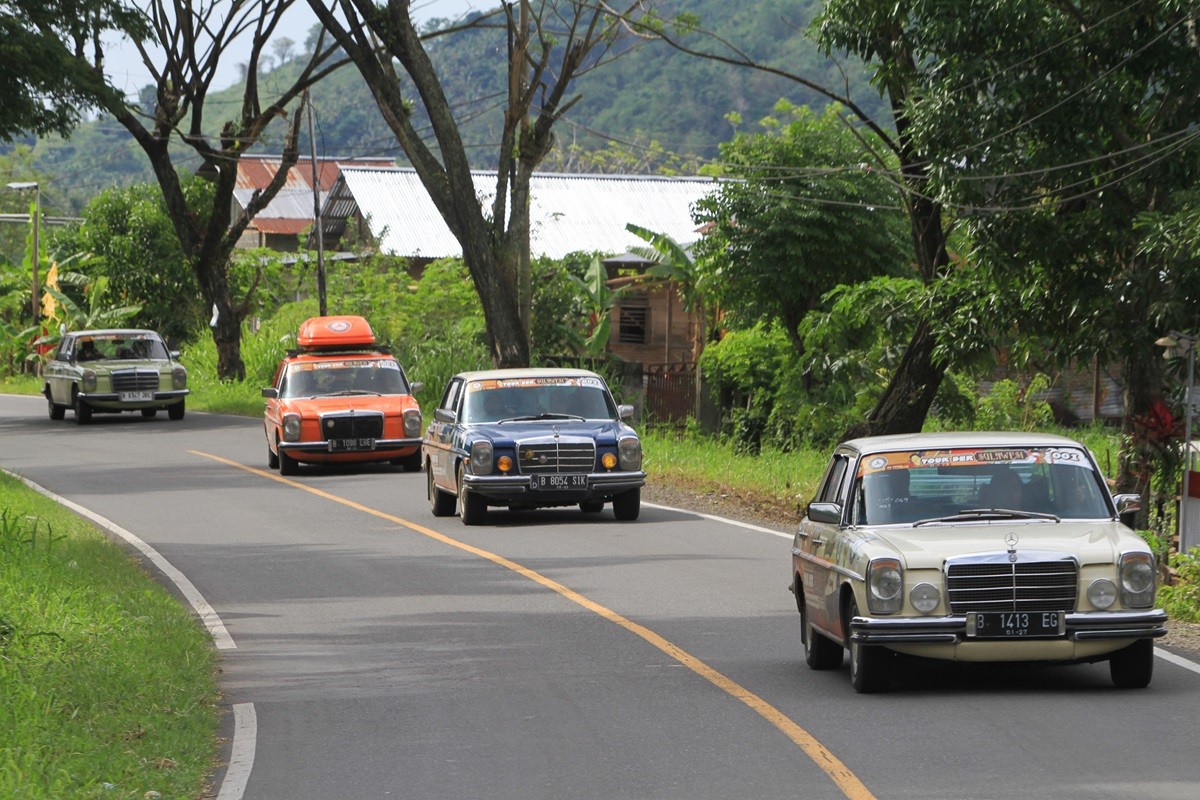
<point x="530" y="438"/>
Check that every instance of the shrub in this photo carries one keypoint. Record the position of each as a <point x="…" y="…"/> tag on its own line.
<point x="1181" y="600"/>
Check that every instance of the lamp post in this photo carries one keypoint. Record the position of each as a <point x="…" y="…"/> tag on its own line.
<point x="1180" y="344"/>
<point x="37" y="253"/>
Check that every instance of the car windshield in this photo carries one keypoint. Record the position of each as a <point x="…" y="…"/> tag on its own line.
<point x="978" y="483"/>
<point x="119" y="346"/>
<point x="358" y="376"/>
<point x="537" y="398"/>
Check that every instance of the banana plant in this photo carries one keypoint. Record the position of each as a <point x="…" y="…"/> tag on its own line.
<point x="599" y="299"/>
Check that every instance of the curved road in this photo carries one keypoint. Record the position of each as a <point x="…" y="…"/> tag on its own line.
<point x="375" y="651"/>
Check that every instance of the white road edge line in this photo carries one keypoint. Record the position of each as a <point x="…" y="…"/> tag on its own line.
<point x="245" y="721"/>
<point x="204" y="611"/>
<point x="241" y="757"/>
<point x="1165" y="655"/>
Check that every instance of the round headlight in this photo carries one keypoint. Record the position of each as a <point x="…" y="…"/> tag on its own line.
<point x="1102" y="593"/>
<point x="924" y="597"/>
<point x="1137" y="574"/>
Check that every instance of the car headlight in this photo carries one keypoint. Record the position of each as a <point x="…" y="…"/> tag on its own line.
<point x="179" y="378"/>
<point x="481" y="458"/>
<point x="1137" y="580"/>
<point x="1102" y="593"/>
<point x="89" y="380"/>
<point x="412" y="423"/>
<point x="924" y="597"/>
<point x="291" y="427"/>
<point x="885" y="586"/>
<point x="629" y="451"/>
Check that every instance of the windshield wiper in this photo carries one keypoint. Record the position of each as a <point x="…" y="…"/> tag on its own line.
<point x="968" y="514"/>
<point x="543" y="415"/>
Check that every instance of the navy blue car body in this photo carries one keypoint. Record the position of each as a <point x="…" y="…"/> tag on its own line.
<point x="531" y="438"/>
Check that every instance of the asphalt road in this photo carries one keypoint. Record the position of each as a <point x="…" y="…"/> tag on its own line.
<point x="384" y="653"/>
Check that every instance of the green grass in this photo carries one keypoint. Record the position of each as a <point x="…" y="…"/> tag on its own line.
<point x="109" y="687"/>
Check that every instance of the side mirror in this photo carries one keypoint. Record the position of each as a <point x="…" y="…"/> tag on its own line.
<point x="830" y="513"/>
<point x="1128" y="506"/>
<point x="270" y="393"/>
<point x="416" y="387"/>
<point x="445" y="415"/>
<point x="625" y="411"/>
<point x="175" y="354"/>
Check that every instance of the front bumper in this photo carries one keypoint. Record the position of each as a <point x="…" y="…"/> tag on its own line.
<point x="382" y="447"/>
<point x="1089" y="626"/>
<point x="517" y="489"/>
<point x="113" y="399"/>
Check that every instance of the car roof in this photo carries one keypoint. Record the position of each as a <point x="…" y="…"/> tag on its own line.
<point x="946" y="440"/>
<point x="526" y="372"/>
<point x="114" y="331"/>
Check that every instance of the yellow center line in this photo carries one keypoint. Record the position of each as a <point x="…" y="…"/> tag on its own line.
<point x="830" y="764"/>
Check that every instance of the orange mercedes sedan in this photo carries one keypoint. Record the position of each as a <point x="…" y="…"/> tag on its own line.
<point x="340" y="397"/>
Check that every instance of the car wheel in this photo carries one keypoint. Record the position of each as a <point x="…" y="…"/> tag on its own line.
<point x="287" y="464"/>
<point x="57" y="412"/>
<point x="83" y="412"/>
<point x="410" y="463"/>
<point x="820" y="652"/>
<point x="272" y="459"/>
<point x="1132" y="667"/>
<point x="591" y="506"/>
<point x="440" y="503"/>
<point x="627" y="505"/>
<point x="176" y="411"/>
<point x="867" y="663"/>
<point x="149" y="412"/>
<point x="471" y="507"/>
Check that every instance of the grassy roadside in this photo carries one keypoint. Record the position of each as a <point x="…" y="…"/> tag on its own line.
<point x="109" y="684"/>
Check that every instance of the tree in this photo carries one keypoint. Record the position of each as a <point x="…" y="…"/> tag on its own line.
<point x="546" y="46"/>
<point x="800" y="216"/>
<point x="192" y="40"/>
<point x="45" y="83"/>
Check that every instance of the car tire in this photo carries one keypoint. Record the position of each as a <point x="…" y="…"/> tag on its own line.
<point x="1132" y="667"/>
<point x="176" y="411"/>
<point x="627" y="505"/>
<point x="272" y="458"/>
<point x="148" y="413"/>
<point x="287" y="464"/>
<point x="471" y="507"/>
<point x="410" y="463"/>
<point x="591" y="506"/>
<point x="83" y="412"/>
<point x="867" y="663"/>
<point x="57" y="412"/>
<point x="440" y="503"/>
<point x="820" y="652"/>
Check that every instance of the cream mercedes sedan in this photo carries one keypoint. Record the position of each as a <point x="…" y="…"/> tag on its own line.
<point x="1002" y="547"/>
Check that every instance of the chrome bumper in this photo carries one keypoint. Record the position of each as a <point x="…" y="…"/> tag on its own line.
<point x="508" y="487"/>
<point x="323" y="446"/>
<point x="1080" y="626"/>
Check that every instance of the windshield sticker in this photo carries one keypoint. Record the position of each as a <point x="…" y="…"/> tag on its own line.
<point x="358" y="363"/>
<point x="521" y="383"/>
<point x="971" y="457"/>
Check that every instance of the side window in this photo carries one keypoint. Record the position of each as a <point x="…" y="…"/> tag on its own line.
<point x="834" y="478"/>
<point x="450" y="398"/>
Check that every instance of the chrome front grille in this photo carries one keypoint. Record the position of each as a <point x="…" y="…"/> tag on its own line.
<point x="553" y="456"/>
<point x="135" y="380"/>
<point x="352" y="426"/>
<point x="1003" y="586"/>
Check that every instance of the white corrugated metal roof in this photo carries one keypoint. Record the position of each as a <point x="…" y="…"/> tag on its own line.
<point x="568" y="213"/>
<point x="288" y="204"/>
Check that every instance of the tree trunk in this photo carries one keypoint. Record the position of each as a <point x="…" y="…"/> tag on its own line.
<point x="910" y="393"/>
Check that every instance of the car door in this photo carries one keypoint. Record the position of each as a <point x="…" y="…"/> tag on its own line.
<point x="439" y="436"/>
<point x="816" y="541"/>
<point x="58" y="370"/>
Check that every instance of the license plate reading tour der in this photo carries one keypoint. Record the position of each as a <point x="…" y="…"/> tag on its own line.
<point x="1015" y="624"/>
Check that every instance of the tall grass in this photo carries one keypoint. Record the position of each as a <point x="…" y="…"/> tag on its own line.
<point x="109" y="685"/>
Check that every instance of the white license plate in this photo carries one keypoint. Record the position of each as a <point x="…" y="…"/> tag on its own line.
<point x="135" y="397"/>
<point x="351" y="445"/>
<point x="558" y="482"/>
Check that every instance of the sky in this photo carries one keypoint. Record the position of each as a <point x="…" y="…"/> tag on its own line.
<point x="124" y="64"/>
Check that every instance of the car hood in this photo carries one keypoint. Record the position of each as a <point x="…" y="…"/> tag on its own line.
<point x="927" y="546"/>
<point x="499" y="433"/>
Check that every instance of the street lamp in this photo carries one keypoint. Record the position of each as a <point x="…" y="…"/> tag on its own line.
<point x="1177" y="345"/>
<point x="37" y="253"/>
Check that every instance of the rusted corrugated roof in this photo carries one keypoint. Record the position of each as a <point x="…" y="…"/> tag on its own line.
<point x="255" y="172"/>
<point x="568" y="213"/>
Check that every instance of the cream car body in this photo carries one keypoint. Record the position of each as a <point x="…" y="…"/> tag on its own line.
<point x="971" y="547"/>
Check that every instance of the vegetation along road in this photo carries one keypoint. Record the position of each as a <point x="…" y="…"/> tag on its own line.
<point x="371" y="650"/>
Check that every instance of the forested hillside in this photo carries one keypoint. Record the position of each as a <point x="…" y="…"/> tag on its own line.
<point x="651" y="94"/>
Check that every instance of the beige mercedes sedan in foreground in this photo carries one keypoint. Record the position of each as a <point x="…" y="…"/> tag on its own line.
<point x="1001" y="547"/>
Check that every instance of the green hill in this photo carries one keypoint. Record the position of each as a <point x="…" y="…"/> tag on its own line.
<point x="652" y="93"/>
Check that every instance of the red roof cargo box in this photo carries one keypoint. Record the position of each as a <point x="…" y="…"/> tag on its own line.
<point x="325" y="333"/>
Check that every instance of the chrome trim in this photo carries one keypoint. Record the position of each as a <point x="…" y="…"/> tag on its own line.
<point x="1080" y="626"/>
<point x="507" y="485"/>
<point x="381" y="445"/>
<point x="114" y="397"/>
